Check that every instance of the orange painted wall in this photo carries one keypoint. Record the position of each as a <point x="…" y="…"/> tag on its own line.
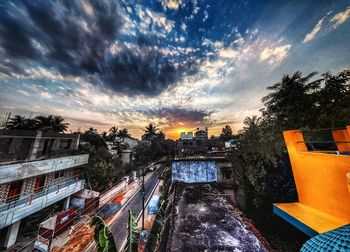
<point x="321" y="179"/>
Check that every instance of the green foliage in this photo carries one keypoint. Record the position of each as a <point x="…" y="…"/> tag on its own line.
<point x="155" y="147"/>
<point x="157" y="227"/>
<point x="45" y="123"/>
<point x="123" y="133"/>
<point x="226" y="133"/>
<point x="94" y="139"/>
<point x="113" y="132"/>
<point x="262" y="168"/>
<point x="133" y="234"/>
<point x="103" y="236"/>
<point x="103" y="169"/>
<point x="150" y="132"/>
<point x="159" y="222"/>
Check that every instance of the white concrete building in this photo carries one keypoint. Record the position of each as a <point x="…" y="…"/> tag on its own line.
<point x="36" y="170"/>
<point x="127" y="145"/>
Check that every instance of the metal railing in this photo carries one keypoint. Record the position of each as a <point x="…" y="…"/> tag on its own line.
<point x="18" y="200"/>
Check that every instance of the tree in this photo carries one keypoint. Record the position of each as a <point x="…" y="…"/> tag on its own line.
<point x="17" y="122"/>
<point x="226" y="133"/>
<point x="123" y="133"/>
<point x="150" y="131"/>
<point x="104" y="135"/>
<point x="334" y="99"/>
<point x="103" y="236"/>
<point x="58" y="124"/>
<point x="44" y="123"/>
<point x="93" y="138"/>
<point x="113" y="132"/>
<point x="291" y="101"/>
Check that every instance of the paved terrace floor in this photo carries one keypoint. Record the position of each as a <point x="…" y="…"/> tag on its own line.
<point x="205" y="220"/>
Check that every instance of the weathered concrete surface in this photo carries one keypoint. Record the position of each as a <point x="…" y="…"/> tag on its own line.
<point x="204" y="220"/>
<point x="13" y="172"/>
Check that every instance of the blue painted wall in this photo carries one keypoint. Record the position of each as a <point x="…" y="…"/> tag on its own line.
<point x="194" y="171"/>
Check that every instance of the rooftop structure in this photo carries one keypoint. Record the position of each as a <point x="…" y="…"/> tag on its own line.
<point x="127" y="145"/>
<point x="322" y="181"/>
<point x="192" y="145"/>
<point x="186" y="136"/>
<point x="205" y="220"/>
<point x="201" y="134"/>
<point x="37" y="169"/>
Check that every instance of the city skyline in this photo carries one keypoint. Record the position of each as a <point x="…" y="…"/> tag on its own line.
<point x="177" y="64"/>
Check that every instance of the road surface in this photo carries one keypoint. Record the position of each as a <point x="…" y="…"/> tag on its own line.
<point x="119" y="227"/>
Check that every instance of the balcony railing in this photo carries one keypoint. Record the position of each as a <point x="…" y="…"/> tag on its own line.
<point x="26" y="205"/>
<point x="13" y="172"/>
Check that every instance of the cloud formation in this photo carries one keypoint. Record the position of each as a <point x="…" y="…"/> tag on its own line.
<point x="311" y="35"/>
<point x="77" y="38"/>
<point x="340" y="17"/>
<point x="274" y="55"/>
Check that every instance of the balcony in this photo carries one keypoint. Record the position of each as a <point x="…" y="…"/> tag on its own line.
<point x="26" y="205"/>
<point x="13" y="172"/>
<point x="323" y="184"/>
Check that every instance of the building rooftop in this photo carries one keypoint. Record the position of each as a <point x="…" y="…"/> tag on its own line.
<point x="206" y="221"/>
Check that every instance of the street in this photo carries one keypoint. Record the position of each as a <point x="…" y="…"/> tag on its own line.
<point x="119" y="227"/>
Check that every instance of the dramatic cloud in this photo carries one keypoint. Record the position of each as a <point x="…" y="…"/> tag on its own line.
<point x="179" y="64"/>
<point x="340" y="17"/>
<point x="80" y="39"/>
<point x="171" y="4"/>
<point x="275" y="55"/>
<point x="311" y="35"/>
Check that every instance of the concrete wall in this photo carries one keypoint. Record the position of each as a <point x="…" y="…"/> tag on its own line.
<point x="14" y="214"/>
<point x="9" y="173"/>
<point x="194" y="171"/>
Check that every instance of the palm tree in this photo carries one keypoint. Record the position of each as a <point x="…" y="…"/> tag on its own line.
<point x="113" y="132"/>
<point x="44" y="122"/>
<point x="123" y="133"/>
<point x="291" y="100"/>
<point x="17" y="122"/>
<point x="150" y="131"/>
<point x="226" y="133"/>
<point x="57" y="124"/>
<point x="251" y="125"/>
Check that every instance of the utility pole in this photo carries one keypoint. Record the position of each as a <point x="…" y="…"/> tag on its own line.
<point x="143" y="198"/>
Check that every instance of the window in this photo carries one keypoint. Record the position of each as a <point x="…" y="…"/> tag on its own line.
<point x="59" y="174"/>
<point x="40" y="183"/>
<point x="14" y="191"/>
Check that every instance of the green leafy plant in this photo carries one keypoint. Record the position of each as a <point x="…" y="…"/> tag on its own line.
<point x="103" y="236"/>
<point x="133" y="234"/>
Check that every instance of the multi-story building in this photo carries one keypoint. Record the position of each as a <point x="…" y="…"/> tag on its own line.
<point x="189" y="145"/>
<point x="186" y="136"/>
<point x="201" y="134"/>
<point x="37" y="169"/>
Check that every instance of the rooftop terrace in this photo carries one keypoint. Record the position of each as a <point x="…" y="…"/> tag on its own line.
<point x="206" y="221"/>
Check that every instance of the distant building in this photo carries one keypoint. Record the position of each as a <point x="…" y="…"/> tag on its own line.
<point x="126" y="145"/>
<point x="186" y="136"/>
<point x="231" y="144"/>
<point x="37" y="169"/>
<point x="191" y="145"/>
<point x="130" y="141"/>
<point x="201" y="134"/>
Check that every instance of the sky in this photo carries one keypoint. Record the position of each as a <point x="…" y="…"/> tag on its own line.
<point x="175" y="63"/>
